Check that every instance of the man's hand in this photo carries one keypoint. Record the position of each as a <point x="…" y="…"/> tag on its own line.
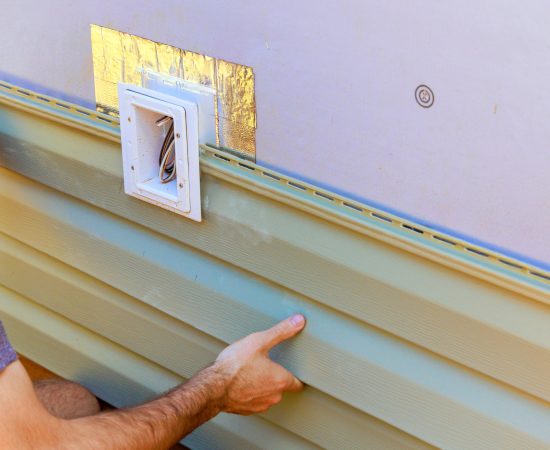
<point x="254" y="382"/>
<point x="242" y="380"/>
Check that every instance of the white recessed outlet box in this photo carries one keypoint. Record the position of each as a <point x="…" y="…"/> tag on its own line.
<point x="146" y="117"/>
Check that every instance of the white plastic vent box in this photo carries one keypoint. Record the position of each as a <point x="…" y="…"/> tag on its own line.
<point x="142" y="139"/>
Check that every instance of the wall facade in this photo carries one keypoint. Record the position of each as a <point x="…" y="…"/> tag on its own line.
<point x="335" y="85"/>
<point x="412" y="340"/>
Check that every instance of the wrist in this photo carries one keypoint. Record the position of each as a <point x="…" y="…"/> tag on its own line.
<point x="214" y="382"/>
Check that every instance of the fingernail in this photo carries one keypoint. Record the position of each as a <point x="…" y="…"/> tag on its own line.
<point x="297" y="320"/>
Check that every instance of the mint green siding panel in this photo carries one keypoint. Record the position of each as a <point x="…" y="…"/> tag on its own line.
<point x="161" y="339"/>
<point x="408" y="343"/>
<point x="423" y="296"/>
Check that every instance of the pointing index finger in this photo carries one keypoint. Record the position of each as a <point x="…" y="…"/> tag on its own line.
<point x="282" y="331"/>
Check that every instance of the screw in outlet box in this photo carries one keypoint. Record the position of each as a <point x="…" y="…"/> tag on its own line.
<point x="180" y="185"/>
<point x="132" y="167"/>
<point x="424" y="96"/>
<point x="129" y="119"/>
<point x="177" y="135"/>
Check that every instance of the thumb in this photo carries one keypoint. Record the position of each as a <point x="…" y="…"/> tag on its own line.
<point x="282" y="331"/>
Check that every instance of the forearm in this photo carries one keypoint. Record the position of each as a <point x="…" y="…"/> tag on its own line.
<point x="243" y="380"/>
<point x="154" y="425"/>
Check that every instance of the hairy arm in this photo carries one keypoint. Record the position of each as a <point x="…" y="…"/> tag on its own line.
<point x="242" y="380"/>
<point x="155" y="425"/>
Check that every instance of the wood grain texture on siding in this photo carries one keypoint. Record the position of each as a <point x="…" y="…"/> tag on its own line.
<point x="400" y="351"/>
<point x="175" y="345"/>
<point x="417" y="299"/>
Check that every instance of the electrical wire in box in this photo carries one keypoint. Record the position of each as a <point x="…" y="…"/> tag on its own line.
<point x="167" y="166"/>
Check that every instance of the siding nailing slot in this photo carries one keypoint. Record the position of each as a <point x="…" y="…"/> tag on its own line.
<point x="297" y="186"/>
<point x="442" y="239"/>
<point x="410" y="227"/>
<point x="352" y="206"/>
<point x="247" y="167"/>
<point x="540" y="275"/>
<point x="477" y="252"/>
<point x="325" y="196"/>
<point x="380" y="217"/>
<point x="270" y="175"/>
<point x="221" y="157"/>
<point x="509" y="263"/>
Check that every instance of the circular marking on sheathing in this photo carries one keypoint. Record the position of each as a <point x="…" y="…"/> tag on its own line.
<point x="424" y="96"/>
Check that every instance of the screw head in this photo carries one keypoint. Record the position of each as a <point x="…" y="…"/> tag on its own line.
<point x="132" y="167"/>
<point x="178" y="135"/>
<point x="424" y="96"/>
<point x="180" y="185"/>
<point x="129" y="119"/>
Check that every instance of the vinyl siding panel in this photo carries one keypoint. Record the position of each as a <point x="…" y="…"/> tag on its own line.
<point x="408" y="344"/>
